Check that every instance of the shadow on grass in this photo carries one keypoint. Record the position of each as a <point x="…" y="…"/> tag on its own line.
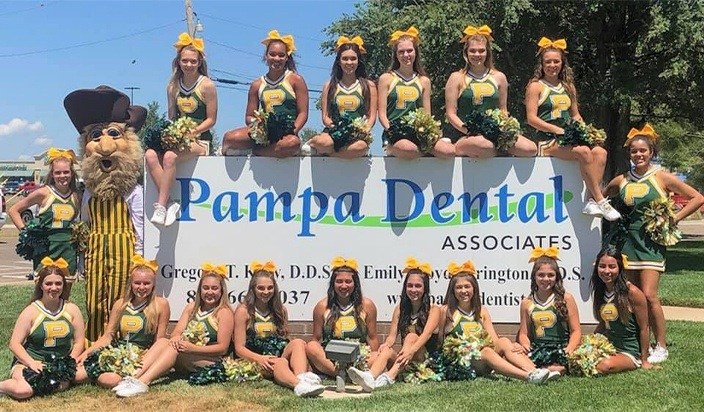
<point x="686" y="256"/>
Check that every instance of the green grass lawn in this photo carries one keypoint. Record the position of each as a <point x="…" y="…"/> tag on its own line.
<point x="683" y="283"/>
<point x="677" y="386"/>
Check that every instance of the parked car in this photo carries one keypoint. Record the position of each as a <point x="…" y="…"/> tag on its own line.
<point x="28" y="187"/>
<point x="3" y="209"/>
<point x="29" y="214"/>
<point x="11" y="187"/>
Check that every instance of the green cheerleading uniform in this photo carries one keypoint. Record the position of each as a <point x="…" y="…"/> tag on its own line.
<point x="210" y="322"/>
<point x="545" y="324"/>
<point x="348" y="326"/>
<point x="413" y="327"/>
<point x="189" y="102"/>
<point x="278" y="96"/>
<point x="51" y="333"/>
<point x="56" y="215"/>
<point x="624" y="337"/>
<point x="263" y="325"/>
<point x="639" y="249"/>
<point x="553" y="107"/>
<point x="463" y="324"/>
<point x="349" y="100"/>
<point x="404" y="96"/>
<point x="477" y="93"/>
<point x="263" y="336"/>
<point x="133" y="327"/>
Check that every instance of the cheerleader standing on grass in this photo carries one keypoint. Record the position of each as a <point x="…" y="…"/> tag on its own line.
<point x="551" y="101"/>
<point x="201" y="337"/>
<point x="416" y="320"/>
<point x="645" y="258"/>
<point x="59" y="202"/>
<point x="283" y="95"/>
<point x="549" y="329"/>
<point x="345" y="314"/>
<point x="402" y="90"/>
<point x="136" y="323"/>
<point x="463" y="316"/>
<point x="48" y="335"/>
<point x="622" y="311"/>
<point x="261" y="335"/>
<point x="479" y="86"/>
<point x="191" y="94"/>
<point x="347" y="96"/>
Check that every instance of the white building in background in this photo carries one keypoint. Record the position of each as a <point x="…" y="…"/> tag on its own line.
<point x="33" y="170"/>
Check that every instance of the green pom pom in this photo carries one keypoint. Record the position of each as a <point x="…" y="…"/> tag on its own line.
<point x="545" y="355"/>
<point x="32" y="242"/>
<point x="151" y="136"/>
<point x="57" y="369"/>
<point x="273" y="345"/>
<point x="205" y="375"/>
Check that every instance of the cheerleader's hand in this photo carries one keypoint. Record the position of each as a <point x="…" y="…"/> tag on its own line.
<point x="185" y="346"/>
<point x="267" y="363"/>
<point x="174" y="341"/>
<point x="384" y="346"/>
<point x="648" y="365"/>
<point x="36" y="366"/>
<point x="518" y="348"/>
<point x="404" y="357"/>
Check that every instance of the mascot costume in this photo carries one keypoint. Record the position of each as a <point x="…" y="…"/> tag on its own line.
<point x="113" y="200"/>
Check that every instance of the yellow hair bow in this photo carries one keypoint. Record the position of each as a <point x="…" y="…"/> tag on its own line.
<point x="551" y="252"/>
<point x="59" y="263"/>
<point x="412" y="32"/>
<point x="287" y="40"/>
<point x="470" y="31"/>
<point x="139" y="260"/>
<point x="210" y="268"/>
<point x="354" y="40"/>
<point x="339" y="262"/>
<point x="54" y="153"/>
<point x="412" y="264"/>
<point x="467" y="267"/>
<point x="256" y="266"/>
<point x="647" y="130"/>
<point x="624" y="259"/>
<point x="546" y="43"/>
<point x="186" y="40"/>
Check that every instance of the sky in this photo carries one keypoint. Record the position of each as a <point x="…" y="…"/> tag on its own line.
<point x="54" y="47"/>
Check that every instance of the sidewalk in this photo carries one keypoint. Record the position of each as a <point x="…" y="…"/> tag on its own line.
<point x="680" y="313"/>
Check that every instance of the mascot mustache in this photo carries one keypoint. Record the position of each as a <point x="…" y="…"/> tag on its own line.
<point x="116" y="175"/>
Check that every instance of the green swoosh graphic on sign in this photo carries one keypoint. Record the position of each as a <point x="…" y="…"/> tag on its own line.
<point x="424" y="220"/>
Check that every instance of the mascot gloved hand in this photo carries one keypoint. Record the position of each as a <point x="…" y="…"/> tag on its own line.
<point x="113" y="202"/>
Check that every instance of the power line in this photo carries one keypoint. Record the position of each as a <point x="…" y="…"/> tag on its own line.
<point x="256" y="27"/>
<point x="40" y="6"/>
<point x="230" y="81"/>
<point x="91" y="43"/>
<point x="258" y="54"/>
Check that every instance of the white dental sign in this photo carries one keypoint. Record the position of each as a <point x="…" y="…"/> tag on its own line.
<point x="302" y="212"/>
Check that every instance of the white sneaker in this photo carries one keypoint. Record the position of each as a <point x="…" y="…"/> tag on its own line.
<point x="310" y="377"/>
<point x="308" y="150"/>
<point x="159" y="216"/>
<point x="172" y="213"/>
<point x="658" y="355"/>
<point x="592" y="209"/>
<point x="383" y="380"/>
<point x="538" y="376"/>
<point x="608" y="212"/>
<point x="123" y="383"/>
<point x="361" y="378"/>
<point x="553" y="375"/>
<point x="133" y="388"/>
<point x="308" y="390"/>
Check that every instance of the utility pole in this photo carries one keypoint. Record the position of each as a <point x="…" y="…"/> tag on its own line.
<point x="189" y="18"/>
<point x="131" y="89"/>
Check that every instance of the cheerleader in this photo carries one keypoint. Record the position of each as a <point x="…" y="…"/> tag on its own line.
<point x="479" y="86"/>
<point x="135" y="324"/>
<point x="636" y="189"/>
<point x="192" y="94"/>
<point x="345" y="314"/>
<point x="201" y="337"/>
<point x="622" y="311"/>
<point x="261" y="335"/>
<point x="463" y="316"/>
<point x="347" y="96"/>
<point x="403" y="89"/>
<point x="281" y="93"/>
<point x="59" y="203"/>
<point x="416" y="320"/>
<point x="48" y="332"/>
<point x="549" y="328"/>
<point x="551" y="101"/>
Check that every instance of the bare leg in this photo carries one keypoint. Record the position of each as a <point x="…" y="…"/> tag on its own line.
<point x="154" y="165"/>
<point x="316" y="357"/>
<point x="322" y="143"/>
<point x="649" y="282"/>
<point x="475" y="146"/>
<point x="353" y="150"/>
<point x="237" y="139"/>
<point x="160" y="366"/>
<point x="168" y="174"/>
<point x="16" y="387"/>
<point x="408" y="342"/>
<point x="503" y="348"/>
<point x="152" y="355"/>
<point x="288" y="146"/>
<point x="108" y="380"/>
<point x="591" y="165"/>
<point x="295" y="354"/>
<point x="404" y="149"/>
<point x="501" y="365"/>
<point x="381" y="361"/>
<point x="443" y="149"/>
<point x="616" y="363"/>
<point x="524" y="147"/>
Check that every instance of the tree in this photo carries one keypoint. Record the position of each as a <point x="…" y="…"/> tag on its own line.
<point x="634" y="61"/>
<point x="152" y="116"/>
<point x="307" y="133"/>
